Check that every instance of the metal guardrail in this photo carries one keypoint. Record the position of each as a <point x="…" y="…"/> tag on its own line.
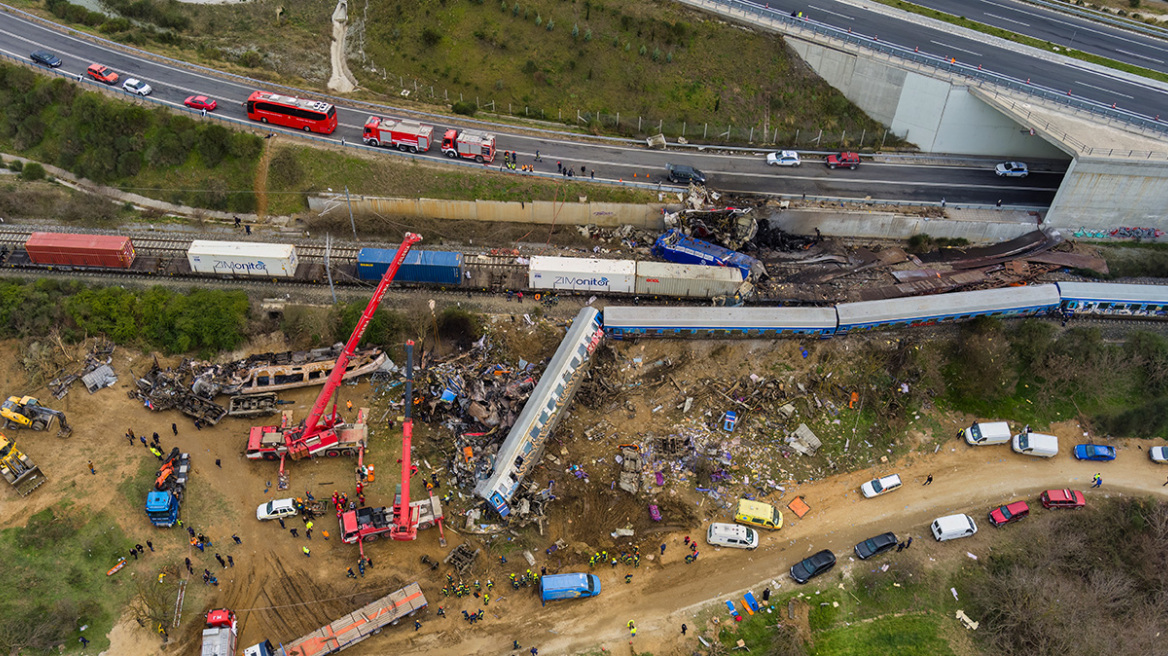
<point x="802" y="26"/>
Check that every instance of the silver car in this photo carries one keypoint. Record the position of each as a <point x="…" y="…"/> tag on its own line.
<point x="1012" y="170"/>
<point x="134" y="85"/>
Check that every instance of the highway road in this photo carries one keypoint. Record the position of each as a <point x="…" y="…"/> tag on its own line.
<point x="1061" y="29"/>
<point x="726" y="172"/>
<point x="1144" y="98"/>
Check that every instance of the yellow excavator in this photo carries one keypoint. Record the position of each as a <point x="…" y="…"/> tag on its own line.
<point x="17" y="469"/>
<point x="27" y="412"/>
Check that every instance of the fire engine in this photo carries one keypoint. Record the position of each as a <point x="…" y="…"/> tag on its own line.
<point x="394" y="133"/>
<point x="469" y="144"/>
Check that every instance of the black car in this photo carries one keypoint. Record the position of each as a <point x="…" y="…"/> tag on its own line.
<point x="684" y="173"/>
<point x="45" y="58"/>
<point x="812" y="566"/>
<point x="875" y="546"/>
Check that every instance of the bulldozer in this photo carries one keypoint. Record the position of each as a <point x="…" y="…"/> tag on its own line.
<point x="27" y="412"/>
<point x="17" y="469"/>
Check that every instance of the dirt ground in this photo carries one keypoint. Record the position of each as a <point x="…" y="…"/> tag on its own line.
<point x="280" y="594"/>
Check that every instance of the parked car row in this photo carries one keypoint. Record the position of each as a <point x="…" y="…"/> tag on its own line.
<point x="1029" y="443"/>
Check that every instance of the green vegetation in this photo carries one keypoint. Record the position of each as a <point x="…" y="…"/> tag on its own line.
<point x="1033" y="373"/>
<point x="200" y="320"/>
<point x="1025" y="40"/>
<point x="54" y="581"/>
<point x="107" y="141"/>
<point x="1134" y="260"/>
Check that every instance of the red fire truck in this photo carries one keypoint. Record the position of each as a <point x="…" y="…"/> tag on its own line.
<point x="469" y="144"/>
<point x="394" y="133"/>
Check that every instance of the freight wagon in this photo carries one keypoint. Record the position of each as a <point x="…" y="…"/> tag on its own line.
<point x="243" y="259"/>
<point x="437" y="267"/>
<point x="582" y="275"/>
<point x="686" y="280"/>
<point x="70" y="250"/>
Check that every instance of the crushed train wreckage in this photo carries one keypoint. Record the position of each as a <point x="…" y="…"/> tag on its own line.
<point x="251" y="382"/>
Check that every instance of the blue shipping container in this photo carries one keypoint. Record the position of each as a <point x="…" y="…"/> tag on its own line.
<point x="675" y="246"/>
<point x="437" y="267"/>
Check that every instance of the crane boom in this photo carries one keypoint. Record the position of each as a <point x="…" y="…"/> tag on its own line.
<point x="313" y="424"/>
<point x="405" y="524"/>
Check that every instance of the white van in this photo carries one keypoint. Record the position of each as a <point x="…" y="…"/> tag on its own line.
<point x="1036" y="444"/>
<point x="987" y="432"/>
<point x="953" y="527"/>
<point x="732" y="535"/>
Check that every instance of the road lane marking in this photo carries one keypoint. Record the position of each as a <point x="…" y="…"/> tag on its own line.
<point x="1102" y="89"/>
<point x="1008" y="20"/>
<point x="828" y="11"/>
<point x="1132" y="54"/>
<point x="946" y="45"/>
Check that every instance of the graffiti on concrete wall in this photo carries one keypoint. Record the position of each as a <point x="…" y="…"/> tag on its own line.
<point x="1119" y="233"/>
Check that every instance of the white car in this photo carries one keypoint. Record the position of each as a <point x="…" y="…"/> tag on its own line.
<point x="275" y="509"/>
<point x="134" y="85"/>
<point x="1158" y="453"/>
<point x="783" y="158"/>
<point x="1012" y="170"/>
<point x="876" y="487"/>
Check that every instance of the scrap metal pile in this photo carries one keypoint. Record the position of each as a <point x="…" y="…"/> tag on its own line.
<point x="165" y="389"/>
<point x="95" y="372"/>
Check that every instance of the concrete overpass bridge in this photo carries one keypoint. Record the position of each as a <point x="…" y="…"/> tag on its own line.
<point x="1117" y="160"/>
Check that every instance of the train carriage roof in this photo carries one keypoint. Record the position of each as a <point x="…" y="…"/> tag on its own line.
<point x="984" y="301"/>
<point x="718" y="318"/>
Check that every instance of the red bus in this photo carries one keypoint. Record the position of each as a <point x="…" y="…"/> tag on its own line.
<point x="307" y="115"/>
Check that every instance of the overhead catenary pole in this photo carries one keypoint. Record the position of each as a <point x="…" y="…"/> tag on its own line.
<point x="351" y="221"/>
<point x="328" y="239"/>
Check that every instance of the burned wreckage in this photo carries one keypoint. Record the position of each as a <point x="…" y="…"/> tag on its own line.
<point x="251" y="383"/>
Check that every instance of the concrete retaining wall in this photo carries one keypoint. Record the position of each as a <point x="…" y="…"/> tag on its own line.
<point x="1103" y="194"/>
<point x="609" y="215"/>
<point x="885" y="225"/>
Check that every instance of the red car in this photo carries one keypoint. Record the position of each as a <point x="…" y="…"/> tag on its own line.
<point x="201" y="102"/>
<point x="1009" y="513"/>
<point x="102" y="73"/>
<point x="1063" y="499"/>
<point x="850" y="160"/>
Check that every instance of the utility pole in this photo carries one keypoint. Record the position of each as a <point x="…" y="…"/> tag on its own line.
<point x="328" y="240"/>
<point x="351" y="221"/>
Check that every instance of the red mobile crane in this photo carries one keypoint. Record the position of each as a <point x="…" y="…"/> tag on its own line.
<point x="403" y="519"/>
<point x="320" y="433"/>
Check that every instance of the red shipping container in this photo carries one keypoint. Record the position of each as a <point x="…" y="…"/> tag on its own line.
<point x="60" y="248"/>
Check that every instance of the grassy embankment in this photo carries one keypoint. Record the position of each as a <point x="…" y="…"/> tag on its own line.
<point x="54" y="580"/>
<point x="541" y="58"/>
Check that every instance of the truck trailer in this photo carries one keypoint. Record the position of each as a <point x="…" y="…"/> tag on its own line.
<point x="350" y="629"/>
<point x="410" y="136"/>
<point x="469" y="144"/>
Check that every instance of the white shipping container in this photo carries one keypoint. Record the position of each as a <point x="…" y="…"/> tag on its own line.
<point x="581" y="274"/>
<point x="690" y="280"/>
<point x="246" y="259"/>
